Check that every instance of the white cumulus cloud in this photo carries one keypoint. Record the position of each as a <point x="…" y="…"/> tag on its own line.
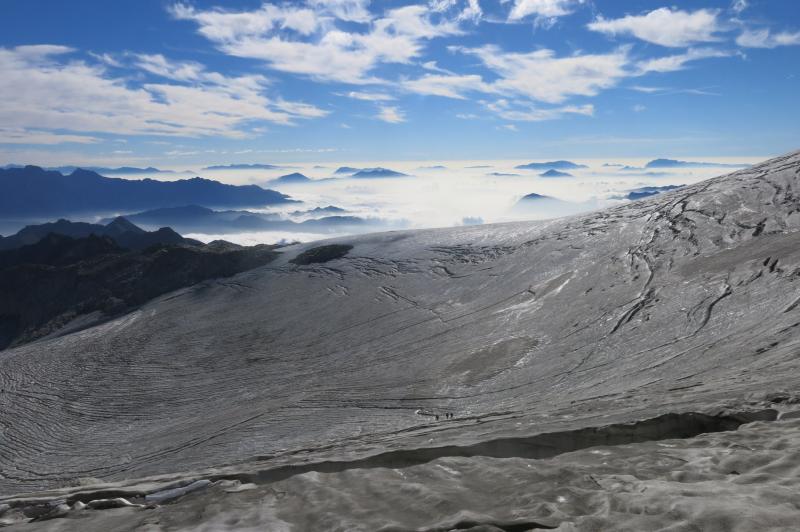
<point x="665" y="26"/>
<point x="542" y="8"/>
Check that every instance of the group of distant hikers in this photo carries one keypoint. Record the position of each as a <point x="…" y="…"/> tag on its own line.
<point x="447" y="415"/>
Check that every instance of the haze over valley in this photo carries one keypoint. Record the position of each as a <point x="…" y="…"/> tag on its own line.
<point x="423" y="196"/>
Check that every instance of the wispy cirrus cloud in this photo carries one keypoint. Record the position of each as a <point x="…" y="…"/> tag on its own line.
<point x="526" y="112"/>
<point x="190" y="102"/>
<point x="524" y="81"/>
<point x="471" y="8"/>
<point x="278" y="35"/>
<point x="349" y="10"/>
<point x="34" y="136"/>
<point x="290" y="39"/>
<point x="737" y="6"/>
<point x="673" y="90"/>
<point x="447" y="85"/>
<point x="390" y="114"/>
<point x="368" y="96"/>
<point x="543" y="76"/>
<point x="672" y="63"/>
<point x="765" y="38"/>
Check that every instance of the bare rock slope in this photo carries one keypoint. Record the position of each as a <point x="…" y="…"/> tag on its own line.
<point x="685" y="302"/>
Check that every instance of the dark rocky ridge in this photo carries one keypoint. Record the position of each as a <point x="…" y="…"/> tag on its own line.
<point x="124" y="233"/>
<point x="683" y="302"/>
<point x="321" y="254"/>
<point x="60" y="279"/>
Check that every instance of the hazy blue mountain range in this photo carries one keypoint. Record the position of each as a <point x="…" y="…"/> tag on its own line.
<point x="369" y="173"/>
<point x="330" y="209"/>
<point x="672" y="163"/>
<point x="243" y="167"/>
<point x="551" y="165"/>
<point x="33" y="191"/>
<point x="346" y="170"/>
<point x="99" y="169"/>
<point x="644" y="192"/>
<point x="294" y="178"/>
<point x="533" y="196"/>
<point x="197" y="219"/>
<point x="555" y="173"/>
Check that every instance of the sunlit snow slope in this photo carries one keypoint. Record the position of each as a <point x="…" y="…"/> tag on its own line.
<point x="683" y="302"/>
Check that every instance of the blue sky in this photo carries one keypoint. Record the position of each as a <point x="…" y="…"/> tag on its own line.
<point x="187" y="83"/>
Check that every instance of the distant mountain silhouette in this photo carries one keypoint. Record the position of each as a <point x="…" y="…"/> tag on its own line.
<point x="290" y="179"/>
<point x="672" y="163"/>
<point x="644" y="192"/>
<point x="552" y="165"/>
<point x="555" y="173"/>
<point x="100" y="169"/>
<point x="501" y="174"/>
<point x="541" y="206"/>
<point x="368" y="173"/>
<point x="336" y="222"/>
<point x="330" y="209"/>
<point x="196" y="219"/>
<point x="346" y="170"/>
<point x="121" y="170"/>
<point x="121" y="231"/>
<point x="243" y="167"/>
<point x="32" y="191"/>
<point x="120" y="225"/>
<point x="533" y="196"/>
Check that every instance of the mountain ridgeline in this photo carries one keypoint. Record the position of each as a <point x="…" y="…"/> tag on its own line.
<point x="63" y="276"/>
<point x="32" y="191"/>
<point x="124" y="233"/>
